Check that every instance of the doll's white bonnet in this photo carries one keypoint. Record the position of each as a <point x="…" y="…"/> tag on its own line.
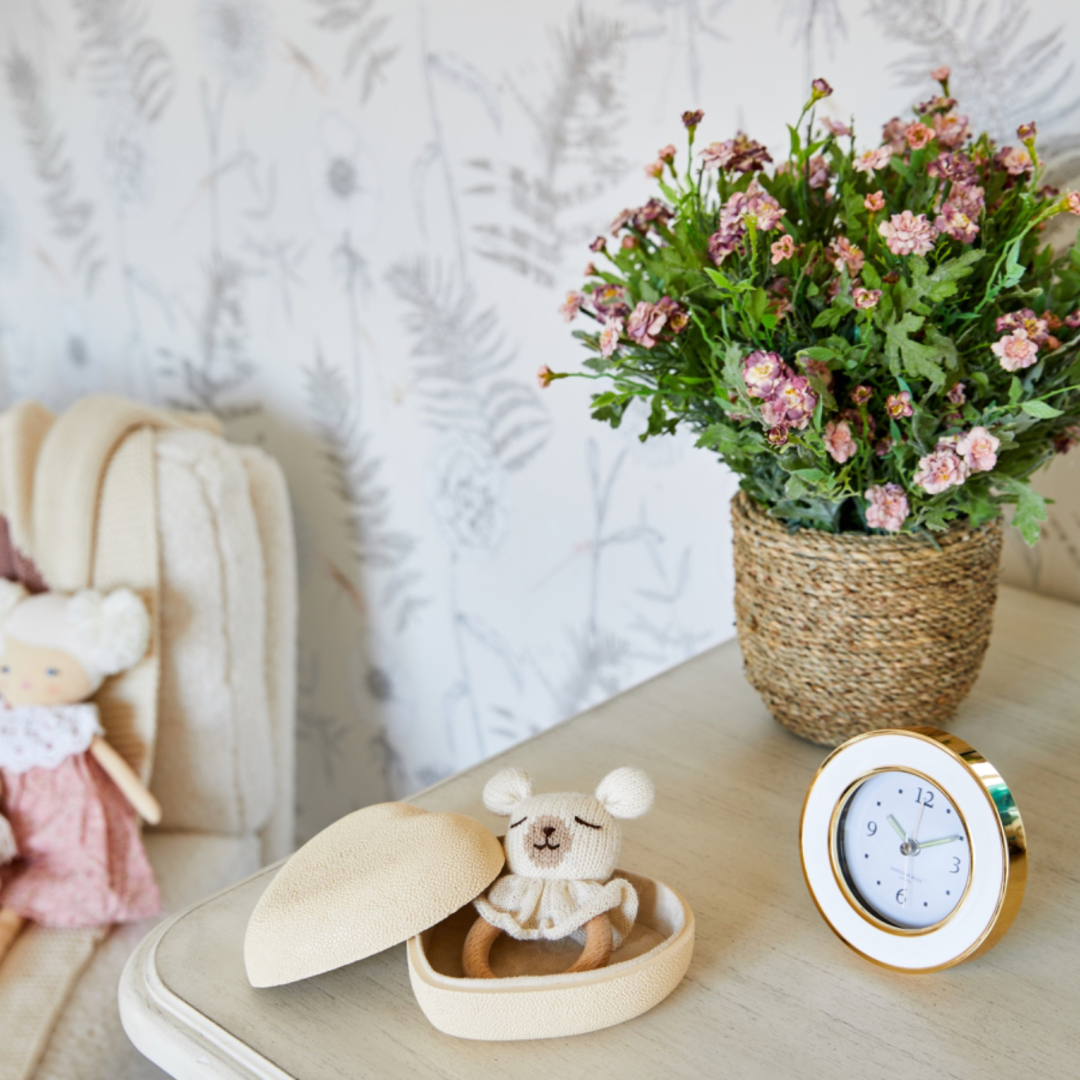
<point x="105" y="632"/>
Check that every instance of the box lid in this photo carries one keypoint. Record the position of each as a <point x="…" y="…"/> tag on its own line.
<point x="369" y="881"/>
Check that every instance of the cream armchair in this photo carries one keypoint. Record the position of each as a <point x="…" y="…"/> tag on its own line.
<point x="223" y="758"/>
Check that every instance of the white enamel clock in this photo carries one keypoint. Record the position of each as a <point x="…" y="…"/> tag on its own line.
<point x="913" y="848"/>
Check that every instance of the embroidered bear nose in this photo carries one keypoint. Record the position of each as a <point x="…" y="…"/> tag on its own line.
<point x="549" y="829"/>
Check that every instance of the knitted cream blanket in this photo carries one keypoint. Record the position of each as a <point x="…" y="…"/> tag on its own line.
<point x="529" y="908"/>
<point x="79" y="498"/>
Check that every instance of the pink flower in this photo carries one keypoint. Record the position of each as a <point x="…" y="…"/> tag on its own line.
<point x="621" y="219"/>
<point x="892" y="135"/>
<point x="848" y="253"/>
<point x="862" y="394"/>
<point x="865" y="298"/>
<point x="957" y="167"/>
<point x="692" y="117"/>
<point x="873" y="160"/>
<point x="941" y="470"/>
<point x="778" y="435"/>
<point x="818" y="172"/>
<point x="819" y="89"/>
<point x="888" y="507"/>
<point x="957" y="395"/>
<point x="908" y="234"/>
<point x="1038" y="330"/>
<point x="835" y="128"/>
<point x="874" y="202"/>
<point x="1072" y="320"/>
<point x="1072" y="202"/>
<point x="666" y="153"/>
<point x="763" y="373"/>
<point x="793" y="402"/>
<point x="571" y="306"/>
<point x="950" y="129"/>
<point x="610" y="302"/>
<point x="609" y="337"/>
<point x="883" y="446"/>
<point x="940" y="74"/>
<point x="754" y="202"/>
<point x="1015" y="162"/>
<point x="544" y="377"/>
<point x="1016" y="351"/>
<point x="978" y="448"/>
<point x="655" y="168"/>
<point x="677" y="318"/>
<point x="954" y="223"/>
<point x="740" y="154"/>
<point x="898" y="406"/>
<point x="598" y="244"/>
<point x="838" y="441"/>
<point x="1026" y="132"/>
<point x="918" y="135"/>
<point x="629" y="243"/>
<point x="782" y="249"/>
<point x="590" y="270"/>
<point x="645" y="323"/>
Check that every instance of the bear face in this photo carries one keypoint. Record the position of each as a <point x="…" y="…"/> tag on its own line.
<point x="566" y="835"/>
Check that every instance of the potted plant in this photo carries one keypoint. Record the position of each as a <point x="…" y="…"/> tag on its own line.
<point x="882" y="349"/>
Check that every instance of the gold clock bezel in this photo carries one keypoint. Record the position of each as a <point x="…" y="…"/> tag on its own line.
<point x="1010" y="831"/>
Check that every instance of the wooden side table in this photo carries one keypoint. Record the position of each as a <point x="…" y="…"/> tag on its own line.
<point x="770" y="992"/>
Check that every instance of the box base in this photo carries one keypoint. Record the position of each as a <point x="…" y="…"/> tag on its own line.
<point x="531" y="998"/>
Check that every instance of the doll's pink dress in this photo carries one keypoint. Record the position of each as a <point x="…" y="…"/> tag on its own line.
<point x="81" y="859"/>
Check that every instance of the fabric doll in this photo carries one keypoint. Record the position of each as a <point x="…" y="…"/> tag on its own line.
<point x="561" y="850"/>
<point x="69" y="834"/>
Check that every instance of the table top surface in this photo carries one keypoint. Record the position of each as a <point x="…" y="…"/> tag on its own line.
<point x="770" y="991"/>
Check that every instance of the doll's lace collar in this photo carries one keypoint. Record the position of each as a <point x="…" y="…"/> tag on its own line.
<point x="42" y="736"/>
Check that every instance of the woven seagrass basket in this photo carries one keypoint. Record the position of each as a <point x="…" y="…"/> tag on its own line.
<point x="846" y="633"/>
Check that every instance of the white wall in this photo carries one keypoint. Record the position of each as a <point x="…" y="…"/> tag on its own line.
<point x="346" y="225"/>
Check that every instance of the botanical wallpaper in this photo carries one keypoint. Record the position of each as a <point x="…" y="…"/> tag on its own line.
<point x="347" y="226"/>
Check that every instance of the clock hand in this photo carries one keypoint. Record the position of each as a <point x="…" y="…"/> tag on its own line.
<point x="918" y="822"/>
<point x="897" y="826"/>
<point x="941" y="840"/>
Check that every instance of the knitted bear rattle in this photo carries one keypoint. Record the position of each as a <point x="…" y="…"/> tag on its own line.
<point x="561" y="850"/>
<point x="68" y="831"/>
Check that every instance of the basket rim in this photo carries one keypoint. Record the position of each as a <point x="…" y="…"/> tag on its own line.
<point x="744" y="505"/>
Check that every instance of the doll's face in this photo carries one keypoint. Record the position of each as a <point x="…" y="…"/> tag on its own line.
<point x="36" y="675"/>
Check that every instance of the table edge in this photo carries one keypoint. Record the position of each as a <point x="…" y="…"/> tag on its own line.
<point x="173" y="1034"/>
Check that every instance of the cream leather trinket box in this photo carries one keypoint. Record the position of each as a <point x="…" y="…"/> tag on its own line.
<point x="394" y="872"/>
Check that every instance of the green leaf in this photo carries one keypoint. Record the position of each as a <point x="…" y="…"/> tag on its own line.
<point x="871" y="278"/>
<point x="913" y="357"/>
<point x="1016" y="389"/>
<point x="830" y="317"/>
<point x="1030" y="508"/>
<point x="810" y="474"/>
<point x="1040" y="410"/>
<point x="756" y="305"/>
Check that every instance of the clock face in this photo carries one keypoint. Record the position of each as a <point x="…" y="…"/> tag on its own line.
<point x="903" y="850"/>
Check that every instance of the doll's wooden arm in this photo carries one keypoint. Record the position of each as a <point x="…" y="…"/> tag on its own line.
<point x="122" y="775"/>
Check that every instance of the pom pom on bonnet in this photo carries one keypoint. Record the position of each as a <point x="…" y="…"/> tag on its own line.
<point x="105" y="632"/>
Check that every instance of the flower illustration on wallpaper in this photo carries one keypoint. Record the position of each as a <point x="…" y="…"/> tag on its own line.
<point x="345" y="189"/>
<point x="469" y="495"/>
<point x="126" y="163"/>
<point x="9" y="235"/>
<point x="236" y="34"/>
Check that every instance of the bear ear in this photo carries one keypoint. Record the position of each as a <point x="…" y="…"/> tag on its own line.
<point x="505" y="790"/>
<point x="626" y="793"/>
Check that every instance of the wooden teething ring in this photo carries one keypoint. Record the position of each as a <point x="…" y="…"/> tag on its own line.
<point x="477" y="948"/>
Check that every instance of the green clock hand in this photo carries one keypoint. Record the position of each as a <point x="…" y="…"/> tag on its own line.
<point x="897" y="826"/>
<point x="934" y="843"/>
